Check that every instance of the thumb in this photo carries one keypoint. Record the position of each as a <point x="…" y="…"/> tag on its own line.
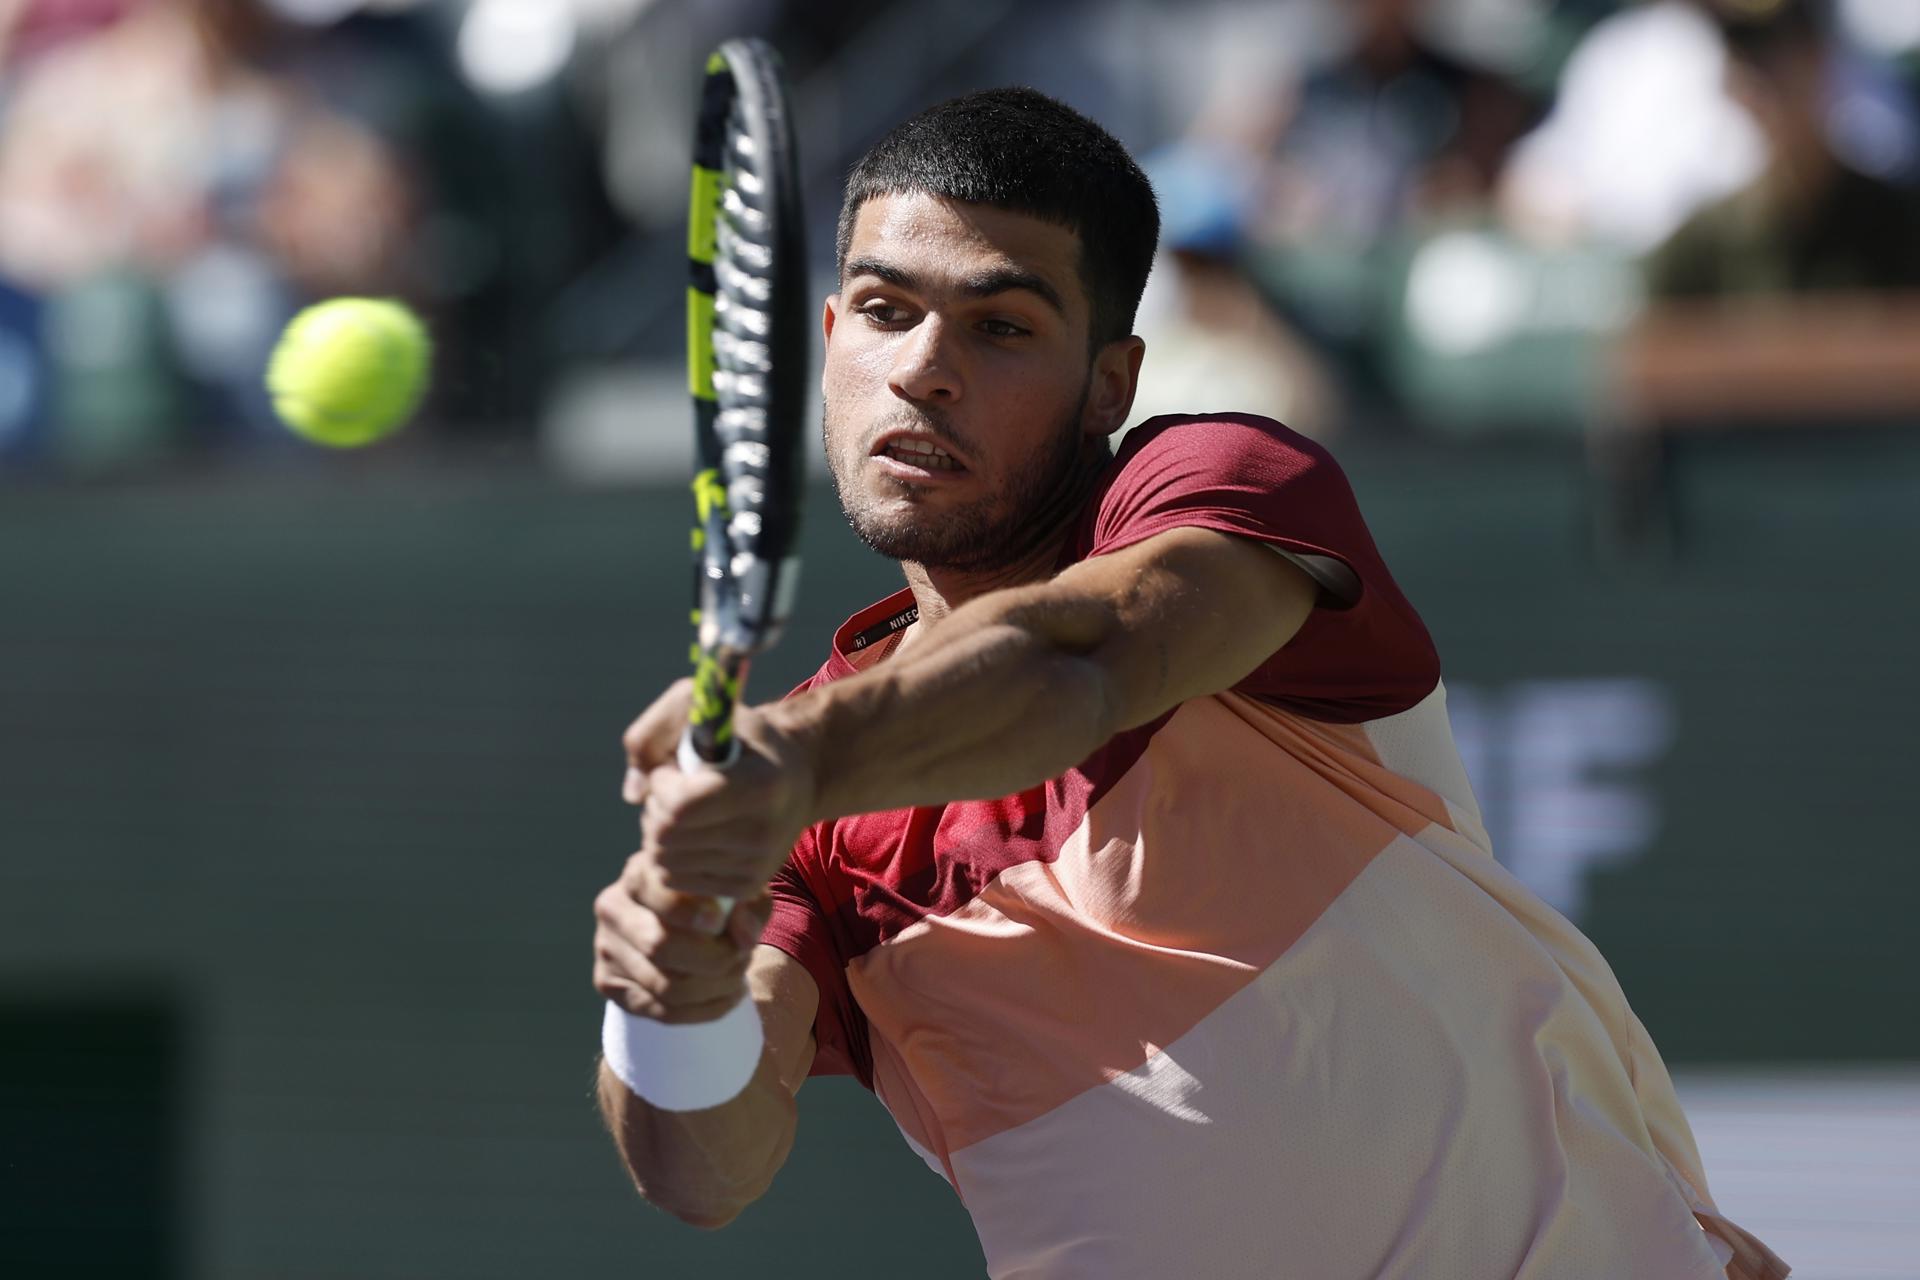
<point x="652" y="739"/>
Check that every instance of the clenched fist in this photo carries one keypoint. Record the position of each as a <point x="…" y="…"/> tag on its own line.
<point x="719" y="833"/>
<point x="663" y="948"/>
<point x="664" y="955"/>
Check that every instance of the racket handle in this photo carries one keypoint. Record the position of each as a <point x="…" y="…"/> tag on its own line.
<point x="690" y="761"/>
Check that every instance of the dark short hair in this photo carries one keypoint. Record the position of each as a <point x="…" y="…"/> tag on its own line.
<point x="1019" y="150"/>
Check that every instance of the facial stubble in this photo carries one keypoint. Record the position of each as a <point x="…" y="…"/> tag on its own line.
<point x="992" y="532"/>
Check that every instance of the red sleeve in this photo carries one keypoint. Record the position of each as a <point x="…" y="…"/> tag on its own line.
<point x="800" y="928"/>
<point x="1353" y="660"/>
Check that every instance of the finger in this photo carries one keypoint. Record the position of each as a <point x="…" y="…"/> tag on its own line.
<point x="677" y="952"/>
<point x="640" y="876"/>
<point x="615" y="911"/>
<point x="644" y="882"/>
<point x="687" y="821"/>
<point x="694" y="913"/>
<point x="651" y="740"/>
<point x="635" y="879"/>
<point x="712" y="874"/>
<point x="749" y="921"/>
<point x="622" y="973"/>
<point x="685" y="953"/>
<point x="676" y="800"/>
<point x="672" y="844"/>
<point x="632" y="979"/>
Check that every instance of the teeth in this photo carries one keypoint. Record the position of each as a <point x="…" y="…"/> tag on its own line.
<point x="919" y="453"/>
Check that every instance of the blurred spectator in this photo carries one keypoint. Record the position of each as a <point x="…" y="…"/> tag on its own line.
<point x="1810" y="220"/>
<point x="122" y="181"/>
<point x="1213" y="343"/>
<point x="1642" y="133"/>
<point x="174" y="219"/>
<point x="28" y="27"/>
<point x="1395" y="127"/>
<point x="178" y="176"/>
<point x="1795" y="301"/>
<point x="1398" y="122"/>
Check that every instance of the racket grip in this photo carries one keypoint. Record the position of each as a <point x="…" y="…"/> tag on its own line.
<point x="690" y="761"/>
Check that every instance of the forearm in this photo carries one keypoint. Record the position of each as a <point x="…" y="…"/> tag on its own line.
<point x="703" y="1167"/>
<point x="1020" y="685"/>
<point x="1001" y="696"/>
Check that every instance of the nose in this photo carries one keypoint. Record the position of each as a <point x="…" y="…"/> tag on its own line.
<point x="925" y="365"/>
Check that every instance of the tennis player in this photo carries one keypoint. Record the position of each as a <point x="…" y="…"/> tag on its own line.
<point x="1125" y="852"/>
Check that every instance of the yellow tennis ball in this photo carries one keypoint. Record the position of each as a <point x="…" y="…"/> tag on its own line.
<point x="349" y="371"/>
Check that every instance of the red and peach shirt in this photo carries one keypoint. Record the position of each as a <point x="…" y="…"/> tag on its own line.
<point x="1245" y="994"/>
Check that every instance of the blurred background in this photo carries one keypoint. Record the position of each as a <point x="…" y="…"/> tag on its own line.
<point x="308" y="759"/>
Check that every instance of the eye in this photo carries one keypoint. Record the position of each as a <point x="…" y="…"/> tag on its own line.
<point x="1003" y="329"/>
<point x="883" y="315"/>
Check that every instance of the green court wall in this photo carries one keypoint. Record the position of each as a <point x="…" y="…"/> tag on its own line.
<point x="317" y="776"/>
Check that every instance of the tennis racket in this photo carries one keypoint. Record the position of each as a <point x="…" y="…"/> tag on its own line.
<point x="748" y="368"/>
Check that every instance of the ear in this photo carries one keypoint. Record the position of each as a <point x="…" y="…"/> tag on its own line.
<point x="1116" y="376"/>
<point x="829" y="315"/>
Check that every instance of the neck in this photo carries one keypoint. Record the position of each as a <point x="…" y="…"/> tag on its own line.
<point x="938" y="591"/>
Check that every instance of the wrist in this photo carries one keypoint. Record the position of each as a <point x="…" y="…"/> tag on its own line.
<point x="803" y="726"/>
<point x="686" y="1067"/>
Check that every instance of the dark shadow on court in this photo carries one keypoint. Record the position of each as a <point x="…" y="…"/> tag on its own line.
<point x="90" y="1138"/>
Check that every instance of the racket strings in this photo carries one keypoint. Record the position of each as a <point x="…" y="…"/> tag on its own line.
<point x="749" y="362"/>
<point x="744" y="238"/>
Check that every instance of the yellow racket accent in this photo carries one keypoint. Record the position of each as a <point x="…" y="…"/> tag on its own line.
<point x="714" y="695"/>
<point x="702" y="204"/>
<point x="700" y="344"/>
<point x="709" y="495"/>
<point x="742" y="147"/>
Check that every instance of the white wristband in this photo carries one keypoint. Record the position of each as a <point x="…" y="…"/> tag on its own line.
<point x="688" y="1067"/>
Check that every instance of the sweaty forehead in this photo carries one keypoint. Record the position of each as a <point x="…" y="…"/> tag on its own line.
<point x="935" y="238"/>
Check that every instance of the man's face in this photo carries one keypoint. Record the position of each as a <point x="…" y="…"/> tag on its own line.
<point x="956" y="383"/>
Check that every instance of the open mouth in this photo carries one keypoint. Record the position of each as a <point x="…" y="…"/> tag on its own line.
<point x="922" y="453"/>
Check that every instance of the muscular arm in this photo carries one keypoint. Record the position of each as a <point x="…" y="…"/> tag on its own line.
<point x="1021" y="684"/>
<point x="1007" y="691"/>
<point x="704" y="1167"/>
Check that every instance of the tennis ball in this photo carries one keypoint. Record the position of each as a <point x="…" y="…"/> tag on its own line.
<point x="349" y="371"/>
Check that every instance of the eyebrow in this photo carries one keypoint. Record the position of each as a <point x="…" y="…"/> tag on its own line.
<point x="981" y="284"/>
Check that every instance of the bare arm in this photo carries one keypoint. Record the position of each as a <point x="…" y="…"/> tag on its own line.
<point x="704" y="1167"/>
<point x="1020" y="685"/>
<point x="1012" y="689"/>
<point x="1006" y="692"/>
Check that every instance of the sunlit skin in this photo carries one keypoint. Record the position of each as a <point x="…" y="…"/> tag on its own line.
<point x="967" y="327"/>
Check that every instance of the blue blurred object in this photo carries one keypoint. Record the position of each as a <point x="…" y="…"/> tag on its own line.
<point x="23" y="377"/>
<point x="1205" y="192"/>
<point x="1873" y="120"/>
